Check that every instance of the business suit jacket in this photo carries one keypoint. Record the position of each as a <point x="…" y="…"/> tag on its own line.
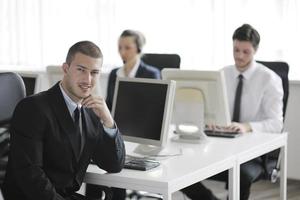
<point x="43" y="164"/>
<point x="144" y="71"/>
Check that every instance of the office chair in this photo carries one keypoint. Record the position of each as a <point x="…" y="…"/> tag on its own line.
<point x="271" y="160"/>
<point x="12" y="90"/>
<point x="162" y="60"/>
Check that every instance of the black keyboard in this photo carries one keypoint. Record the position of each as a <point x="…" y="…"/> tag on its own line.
<point x="222" y="133"/>
<point x="141" y="164"/>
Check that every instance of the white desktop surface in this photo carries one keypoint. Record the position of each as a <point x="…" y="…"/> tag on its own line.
<point x="197" y="162"/>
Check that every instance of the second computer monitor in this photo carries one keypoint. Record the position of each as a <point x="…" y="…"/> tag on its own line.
<point x="31" y="81"/>
<point x="142" y="109"/>
<point x="200" y="99"/>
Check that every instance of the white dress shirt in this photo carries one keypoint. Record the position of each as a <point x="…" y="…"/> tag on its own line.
<point x="132" y="73"/>
<point x="261" y="101"/>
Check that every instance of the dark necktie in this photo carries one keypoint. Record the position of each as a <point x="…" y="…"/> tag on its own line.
<point x="237" y="100"/>
<point x="77" y="130"/>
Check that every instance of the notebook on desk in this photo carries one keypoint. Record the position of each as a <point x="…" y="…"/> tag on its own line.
<point x="140" y="164"/>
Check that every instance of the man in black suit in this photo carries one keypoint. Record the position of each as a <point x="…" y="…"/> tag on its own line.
<point x="56" y="133"/>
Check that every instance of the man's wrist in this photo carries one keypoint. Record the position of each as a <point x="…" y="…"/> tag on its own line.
<point x="109" y="124"/>
<point x="111" y="131"/>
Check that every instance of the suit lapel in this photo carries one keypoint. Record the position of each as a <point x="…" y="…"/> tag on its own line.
<point x="62" y="113"/>
<point x="141" y="70"/>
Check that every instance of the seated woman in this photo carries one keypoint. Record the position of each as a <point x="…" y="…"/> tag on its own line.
<point x="130" y="49"/>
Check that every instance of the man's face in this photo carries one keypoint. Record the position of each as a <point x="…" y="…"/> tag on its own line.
<point x="243" y="53"/>
<point x="80" y="76"/>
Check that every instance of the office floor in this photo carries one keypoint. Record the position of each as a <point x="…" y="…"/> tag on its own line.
<point x="262" y="190"/>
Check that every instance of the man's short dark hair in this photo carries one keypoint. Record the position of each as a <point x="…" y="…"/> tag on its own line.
<point x="87" y="48"/>
<point x="247" y="33"/>
<point x="139" y="38"/>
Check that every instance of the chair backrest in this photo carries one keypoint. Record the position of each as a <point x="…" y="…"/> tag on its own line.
<point x="282" y="69"/>
<point x="162" y="60"/>
<point x="271" y="160"/>
<point x="12" y="90"/>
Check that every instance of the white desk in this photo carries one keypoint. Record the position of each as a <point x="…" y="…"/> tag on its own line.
<point x="198" y="162"/>
<point x="253" y="145"/>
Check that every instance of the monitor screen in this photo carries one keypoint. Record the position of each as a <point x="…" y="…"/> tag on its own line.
<point x="142" y="109"/>
<point x="31" y="83"/>
<point x="200" y="98"/>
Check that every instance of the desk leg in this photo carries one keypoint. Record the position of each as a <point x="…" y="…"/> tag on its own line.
<point x="234" y="182"/>
<point x="283" y="172"/>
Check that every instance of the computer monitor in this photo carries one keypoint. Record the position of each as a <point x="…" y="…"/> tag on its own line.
<point x="142" y="109"/>
<point x="31" y="82"/>
<point x="200" y="99"/>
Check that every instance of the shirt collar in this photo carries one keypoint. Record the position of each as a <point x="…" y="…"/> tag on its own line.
<point x="132" y="73"/>
<point x="248" y="73"/>
<point x="70" y="103"/>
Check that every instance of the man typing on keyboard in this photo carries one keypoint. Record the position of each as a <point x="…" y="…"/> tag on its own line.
<point x="255" y="100"/>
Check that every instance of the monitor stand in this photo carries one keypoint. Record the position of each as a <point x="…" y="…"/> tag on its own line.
<point x="189" y="116"/>
<point x="189" y="133"/>
<point x="147" y="150"/>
